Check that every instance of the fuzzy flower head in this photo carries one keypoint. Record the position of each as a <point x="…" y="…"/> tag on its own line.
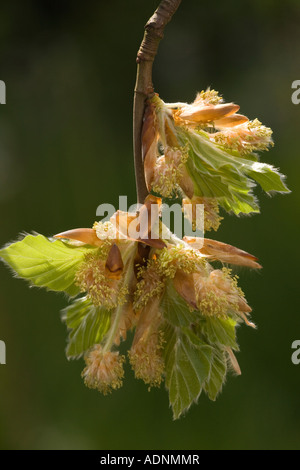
<point x="169" y="172"/>
<point x="145" y="354"/>
<point x="104" y="370"/>
<point x="245" y="138"/>
<point x="219" y="295"/>
<point x="102" y="282"/>
<point x="163" y="265"/>
<point x="146" y="360"/>
<point x="211" y="215"/>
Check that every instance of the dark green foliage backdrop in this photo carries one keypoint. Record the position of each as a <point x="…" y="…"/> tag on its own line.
<point x="66" y="147"/>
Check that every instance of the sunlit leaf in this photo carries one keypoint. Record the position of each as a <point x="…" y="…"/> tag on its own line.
<point x="216" y="379"/>
<point x="225" y="175"/>
<point x="187" y="367"/>
<point x="174" y="308"/>
<point x="45" y="263"/>
<point x="220" y="331"/>
<point x="268" y="177"/>
<point x="88" y="325"/>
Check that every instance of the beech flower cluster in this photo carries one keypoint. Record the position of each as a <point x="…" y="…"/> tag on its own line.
<point x="148" y="286"/>
<point x="206" y="153"/>
<point x="178" y="296"/>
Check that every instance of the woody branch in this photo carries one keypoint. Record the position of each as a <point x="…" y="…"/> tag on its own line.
<point x="154" y="30"/>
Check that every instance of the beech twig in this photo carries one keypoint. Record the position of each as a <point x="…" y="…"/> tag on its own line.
<point x="154" y="30"/>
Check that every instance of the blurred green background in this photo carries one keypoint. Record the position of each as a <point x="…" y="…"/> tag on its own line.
<point x="66" y="147"/>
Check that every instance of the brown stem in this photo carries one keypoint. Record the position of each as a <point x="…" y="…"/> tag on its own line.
<point x="154" y="30"/>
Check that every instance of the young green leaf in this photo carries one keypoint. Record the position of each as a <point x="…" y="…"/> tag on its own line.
<point x="174" y="308"/>
<point x="228" y="177"/>
<point x="268" y="177"/>
<point x="187" y="367"/>
<point x="220" y="331"/>
<point x="87" y="324"/>
<point x="45" y="263"/>
<point x="217" y="174"/>
<point x="213" y="385"/>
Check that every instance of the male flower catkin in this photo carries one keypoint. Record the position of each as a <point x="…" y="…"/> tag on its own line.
<point x="104" y="370"/>
<point x="145" y="354"/>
